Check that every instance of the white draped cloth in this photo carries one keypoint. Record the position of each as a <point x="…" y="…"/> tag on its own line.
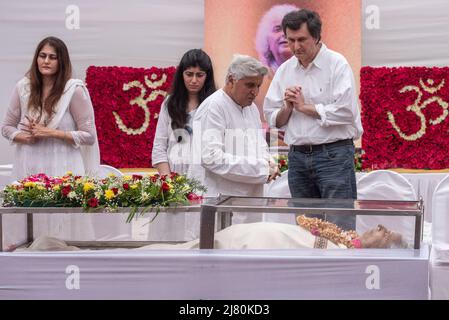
<point x="439" y="259"/>
<point x="386" y="185"/>
<point x="260" y="235"/>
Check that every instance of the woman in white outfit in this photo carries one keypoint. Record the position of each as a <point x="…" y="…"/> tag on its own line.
<point x="50" y="120"/>
<point x="192" y="84"/>
<point x="172" y="148"/>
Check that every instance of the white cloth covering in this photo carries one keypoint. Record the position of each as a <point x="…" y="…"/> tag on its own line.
<point x="328" y="83"/>
<point x="439" y="257"/>
<point x="260" y="235"/>
<point x="386" y="185"/>
<point x="440" y="216"/>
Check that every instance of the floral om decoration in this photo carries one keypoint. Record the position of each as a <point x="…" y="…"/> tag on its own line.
<point x="405" y="117"/>
<point x="127" y="103"/>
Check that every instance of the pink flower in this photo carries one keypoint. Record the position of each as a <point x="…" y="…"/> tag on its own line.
<point x="192" y="196"/>
<point x="315" y="232"/>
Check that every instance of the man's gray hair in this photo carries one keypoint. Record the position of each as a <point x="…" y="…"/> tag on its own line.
<point x="245" y="66"/>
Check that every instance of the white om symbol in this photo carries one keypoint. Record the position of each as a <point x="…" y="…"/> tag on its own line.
<point x="417" y="108"/>
<point x="141" y="102"/>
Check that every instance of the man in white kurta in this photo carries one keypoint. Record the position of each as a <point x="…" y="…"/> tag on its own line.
<point x="234" y="153"/>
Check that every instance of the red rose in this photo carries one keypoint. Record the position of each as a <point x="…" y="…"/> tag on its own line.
<point x="66" y="190"/>
<point x="126" y="186"/>
<point x="165" y="187"/>
<point x="382" y="92"/>
<point x="137" y="177"/>
<point x="173" y="175"/>
<point x="115" y="190"/>
<point x="93" y="202"/>
<point x="192" y="196"/>
<point x="106" y="85"/>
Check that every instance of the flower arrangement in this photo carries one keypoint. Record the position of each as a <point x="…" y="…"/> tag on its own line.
<point x="282" y="161"/>
<point x="358" y="158"/>
<point x="111" y="193"/>
<point x="405" y="117"/>
<point x="127" y="102"/>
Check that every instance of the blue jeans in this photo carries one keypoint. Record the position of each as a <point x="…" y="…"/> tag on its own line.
<point x="327" y="173"/>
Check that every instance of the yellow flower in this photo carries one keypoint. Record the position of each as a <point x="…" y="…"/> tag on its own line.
<point x="29" y="184"/>
<point x="69" y="173"/>
<point x="111" y="175"/>
<point x="127" y="178"/>
<point x="109" y="194"/>
<point x="88" y="186"/>
<point x="56" y="188"/>
<point x="40" y="188"/>
<point x="133" y="186"/>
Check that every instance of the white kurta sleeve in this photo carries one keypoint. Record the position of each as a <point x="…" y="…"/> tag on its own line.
<point x="343" y="107"/>
<point x="82" y="112"/>
<point x="161" y="137"/>
<point x="273" y="102"/>
<point x="12" y="119"/>
<point x="251" y="170"/>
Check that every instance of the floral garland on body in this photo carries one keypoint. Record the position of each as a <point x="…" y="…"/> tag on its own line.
<point x="330" y="231"/>
<point x="111" y="193"/>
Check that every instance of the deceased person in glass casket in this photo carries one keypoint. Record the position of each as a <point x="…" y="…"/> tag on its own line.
<point x="311" y="233"/>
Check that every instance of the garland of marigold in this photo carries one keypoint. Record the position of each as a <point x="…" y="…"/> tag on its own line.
<point x="328" y="230"/>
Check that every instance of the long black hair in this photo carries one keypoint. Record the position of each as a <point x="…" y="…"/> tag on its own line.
<point x="178" y="100"/>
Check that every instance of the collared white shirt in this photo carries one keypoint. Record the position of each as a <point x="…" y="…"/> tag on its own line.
<point x="328" y="83"/>
<point x="234" y="152"/>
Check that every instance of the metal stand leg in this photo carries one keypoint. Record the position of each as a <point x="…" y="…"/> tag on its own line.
<point x="1" y="233"/>
<point x="30" y="230"/>
<point x="418" y="222"/>
<point x="224" y="220"/>
<point x="207" y="227"/>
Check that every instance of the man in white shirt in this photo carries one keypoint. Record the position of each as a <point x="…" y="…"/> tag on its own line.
<point x="234" y="153"/>
<point x="314" y="99"/>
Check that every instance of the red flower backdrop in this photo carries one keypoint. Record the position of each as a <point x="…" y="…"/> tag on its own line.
<point x="127" y="103"/>
<point x="405" y="117"/>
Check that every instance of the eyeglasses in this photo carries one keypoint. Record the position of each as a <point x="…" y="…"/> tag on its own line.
<point x="191" y="74"/>
<point x="50" y="56"/>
